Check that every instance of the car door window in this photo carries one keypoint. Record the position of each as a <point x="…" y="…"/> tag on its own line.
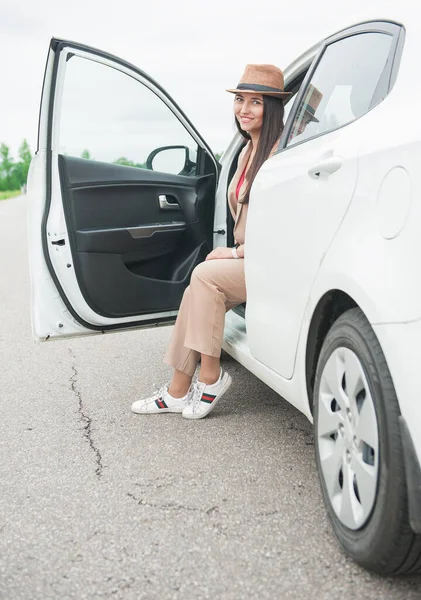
<point x="348" y="81"/>
<point x="109" y="116"/>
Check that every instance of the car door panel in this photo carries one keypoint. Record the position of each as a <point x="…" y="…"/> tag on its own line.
<point x="301" y="195"/>
<point x="90" y="187"/>
<point x="305" y="218"/>
<point x="148" y="241"/>
<point x="130" y="255"/>
<point x="119" y="240"/>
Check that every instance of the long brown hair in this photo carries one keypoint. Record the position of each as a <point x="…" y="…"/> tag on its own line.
<point x="272" y="126"/>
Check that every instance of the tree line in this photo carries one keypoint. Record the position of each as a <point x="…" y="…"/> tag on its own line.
<point x="13" y="173"/>
<point x="120" y="161"/>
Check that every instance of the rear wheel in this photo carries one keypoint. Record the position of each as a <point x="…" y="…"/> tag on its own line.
<point x="359" y="449"/>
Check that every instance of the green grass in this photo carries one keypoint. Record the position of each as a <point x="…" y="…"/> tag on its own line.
<point x="9" y="194"/>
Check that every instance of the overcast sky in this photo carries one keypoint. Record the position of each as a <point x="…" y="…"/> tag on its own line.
<point x="194" y="49"/>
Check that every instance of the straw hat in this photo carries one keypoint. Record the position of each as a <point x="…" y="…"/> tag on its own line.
<point x="263" y="79"/>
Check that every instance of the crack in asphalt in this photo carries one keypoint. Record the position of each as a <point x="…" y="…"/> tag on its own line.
<point x="212" y="511"/>
<point x="85" y="419"/>
<point x="172" y="506"/>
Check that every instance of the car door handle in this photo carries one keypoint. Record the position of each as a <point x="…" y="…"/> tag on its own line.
<point x="327" y="166"/>
<point x="165" y="205"/>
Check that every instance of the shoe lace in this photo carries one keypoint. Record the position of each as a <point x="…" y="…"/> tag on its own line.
<point x="158" y="393"/>
<point x="196" y="396"/>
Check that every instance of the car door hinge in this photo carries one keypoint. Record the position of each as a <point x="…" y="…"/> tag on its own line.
<point x="220" y="231"/>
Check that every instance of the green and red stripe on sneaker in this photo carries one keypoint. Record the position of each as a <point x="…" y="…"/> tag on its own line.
<point x="204" y="396"/>
<point x="208" y="398"/>
<point x="160" y="403"/>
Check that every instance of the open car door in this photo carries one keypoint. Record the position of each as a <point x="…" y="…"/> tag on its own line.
<point x="121" y="197"/>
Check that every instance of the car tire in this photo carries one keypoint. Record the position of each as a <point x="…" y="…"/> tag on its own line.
<point x="363" y="485"/>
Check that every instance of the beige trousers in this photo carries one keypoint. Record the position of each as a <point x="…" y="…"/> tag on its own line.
<point x="215" y="287"/>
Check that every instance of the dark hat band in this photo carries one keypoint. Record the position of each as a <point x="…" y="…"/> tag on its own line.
<point x="258" y="88"/>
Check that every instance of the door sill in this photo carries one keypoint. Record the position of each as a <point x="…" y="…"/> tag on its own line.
<point x="235" y="336"/>
<point x="240" y="310"/>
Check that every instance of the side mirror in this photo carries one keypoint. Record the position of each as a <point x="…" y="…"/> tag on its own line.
<point x="171" y="159"/>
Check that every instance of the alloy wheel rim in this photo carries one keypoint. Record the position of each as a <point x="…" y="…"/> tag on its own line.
<point x="348" y="441"/>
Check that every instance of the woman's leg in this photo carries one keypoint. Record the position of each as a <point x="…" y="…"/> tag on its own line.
<point x="215" y="287"/>
<point x="210" y="369"/>
<point x="183" y="359"/>
<point x="180" y="384"/>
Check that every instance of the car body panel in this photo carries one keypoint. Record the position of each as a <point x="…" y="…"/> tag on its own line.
<point x="288" y="235"/>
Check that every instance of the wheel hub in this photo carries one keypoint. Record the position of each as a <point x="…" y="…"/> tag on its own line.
<point x="347" y="433"/>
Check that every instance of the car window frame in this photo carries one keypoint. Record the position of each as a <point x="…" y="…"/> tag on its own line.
<point x="392" y="28"/>
<point x="294" y="87"/>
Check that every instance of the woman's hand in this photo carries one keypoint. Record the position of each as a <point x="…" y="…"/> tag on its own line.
<point x="220" y="253"/>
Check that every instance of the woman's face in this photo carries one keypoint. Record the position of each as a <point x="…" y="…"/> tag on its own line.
<point x="248" y="110"/>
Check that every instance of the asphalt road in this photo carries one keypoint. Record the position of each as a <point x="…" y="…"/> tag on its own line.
<point x="96" y="502"/>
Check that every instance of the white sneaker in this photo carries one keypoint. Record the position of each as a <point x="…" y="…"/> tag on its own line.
<point x="161" y="401"/>
<point x="204" y="397"/>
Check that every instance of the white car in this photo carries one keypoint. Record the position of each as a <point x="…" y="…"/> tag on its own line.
<point x="126" y="198"/>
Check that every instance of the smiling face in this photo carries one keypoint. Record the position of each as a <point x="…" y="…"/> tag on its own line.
<point x="248" y="110"/>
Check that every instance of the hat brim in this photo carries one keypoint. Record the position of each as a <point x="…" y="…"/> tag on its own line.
<point x="274" y="94"/>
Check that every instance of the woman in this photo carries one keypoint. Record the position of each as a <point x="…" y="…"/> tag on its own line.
<point x="218" y="283"/>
